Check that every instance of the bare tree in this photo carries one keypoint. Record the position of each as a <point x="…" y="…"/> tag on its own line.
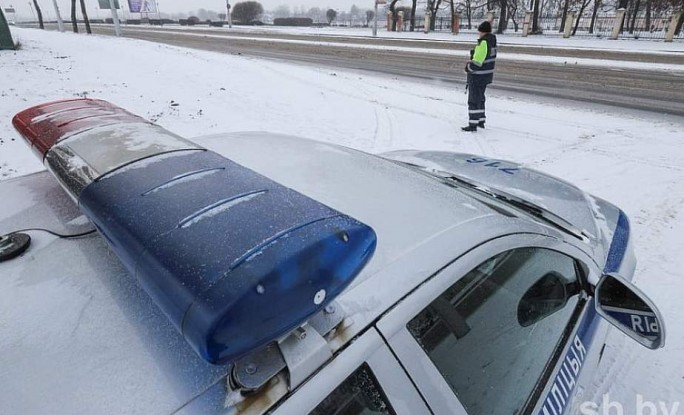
<point x="597" y="6"/>
<point x="39" y="13"/>
<point x="316" y="14"/>
<point x="453" y="14"/>
<point x="634" y="13"/>
<point x="583" y="6"/>
<point x="535" y="16"/>
<point x="503" y="19"/>
<point x="343" y="18"/>
<point x="508" y="10"/>
<point x="84" y="12"/>
<point x="354" y="13"/>
<point x="433" y="7"/>
<point x="74" y="22"/>
<point x="282" y="11"/>
<point x="413" y="15"/>
<point x="331" y="15"/>
<point x="512" y="10"/>
<point x="469" y="13"/>
<point x="247" y="11"/>
<point x="394" y="15"/>
<point x="370" y="15"/>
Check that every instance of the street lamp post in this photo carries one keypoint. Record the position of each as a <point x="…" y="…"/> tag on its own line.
<point x="115" y="17"/>
<point x="60" y="22"/>
<point x="230" y="18"/>
<point x="375" y="22"/>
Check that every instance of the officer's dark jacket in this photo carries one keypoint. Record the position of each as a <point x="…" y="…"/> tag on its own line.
<point x="480" y="68"/>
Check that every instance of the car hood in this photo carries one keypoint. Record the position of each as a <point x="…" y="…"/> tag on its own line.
<point x="597" y="218"/>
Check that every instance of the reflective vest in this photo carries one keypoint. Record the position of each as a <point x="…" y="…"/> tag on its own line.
<point x="483" y="58"/>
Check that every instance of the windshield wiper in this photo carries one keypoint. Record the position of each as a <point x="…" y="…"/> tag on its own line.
<point x="530" y="208"/>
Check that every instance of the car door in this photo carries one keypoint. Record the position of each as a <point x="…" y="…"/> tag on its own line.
<point x="492" y="332"/>
<point x="363" y="379"/>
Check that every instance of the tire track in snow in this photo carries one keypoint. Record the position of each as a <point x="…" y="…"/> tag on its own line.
<point x="366" y="97"/>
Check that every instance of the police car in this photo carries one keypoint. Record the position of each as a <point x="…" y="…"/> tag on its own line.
<point x="255" y="273"/>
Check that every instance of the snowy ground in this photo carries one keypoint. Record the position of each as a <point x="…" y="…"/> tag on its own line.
<point x="633" y="159"/>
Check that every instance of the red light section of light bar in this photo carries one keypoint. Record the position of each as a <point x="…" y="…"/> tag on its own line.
<point x="44" y="125"/>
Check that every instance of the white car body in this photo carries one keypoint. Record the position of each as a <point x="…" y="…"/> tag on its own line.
<point x="80" y="335"/>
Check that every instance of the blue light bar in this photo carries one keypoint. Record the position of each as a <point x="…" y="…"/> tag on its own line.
<point x="234" y="259"/>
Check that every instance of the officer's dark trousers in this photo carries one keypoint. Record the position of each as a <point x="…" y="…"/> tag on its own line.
<point x="476" y="100"/>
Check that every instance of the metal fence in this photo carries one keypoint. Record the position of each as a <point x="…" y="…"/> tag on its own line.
<point x="442" y="23"/>
<point x="654" y="28"/>
<point x="640" y="27"/>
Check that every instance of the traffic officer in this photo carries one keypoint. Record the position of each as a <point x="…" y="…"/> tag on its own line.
<point x="480" y="70"/>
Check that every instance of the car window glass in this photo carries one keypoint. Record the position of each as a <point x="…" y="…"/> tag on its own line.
<point x="359" y="394"/>
<point x="492" y="333"/>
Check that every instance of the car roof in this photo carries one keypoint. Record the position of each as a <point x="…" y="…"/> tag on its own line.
<point x="403" y="207"/>
<point x="81" y="336"/>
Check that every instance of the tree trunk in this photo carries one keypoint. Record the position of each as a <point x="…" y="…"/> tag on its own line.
<point x="413" y="15"/>
<point x="453" y="14"/>
<point x="597" y="6"/>
<point x="648" y="15"/>
<point x="74" y="23"/>
<point x="470" y="15"/>
<point x="503" y="19"/>
<point x="535" y="17"/>
<point x="394" y="15"/>
<point x="84" y="12"/>
<point x="579" y="16"/>
<point x="510" y="14"/>
<point x="634" y="15"/>
<point x="39" y="13"/>
<point x="433" y="17"/>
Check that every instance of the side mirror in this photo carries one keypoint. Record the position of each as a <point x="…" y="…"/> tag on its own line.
<point x="628" y="309"/>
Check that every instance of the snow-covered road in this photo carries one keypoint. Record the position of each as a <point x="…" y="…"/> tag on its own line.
<point x="552" y="40"/>
<point x="633" y="159"/>
<point x="563" y="60"/>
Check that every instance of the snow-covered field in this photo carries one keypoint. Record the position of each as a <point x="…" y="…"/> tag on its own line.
<point x="630" y="158"/>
